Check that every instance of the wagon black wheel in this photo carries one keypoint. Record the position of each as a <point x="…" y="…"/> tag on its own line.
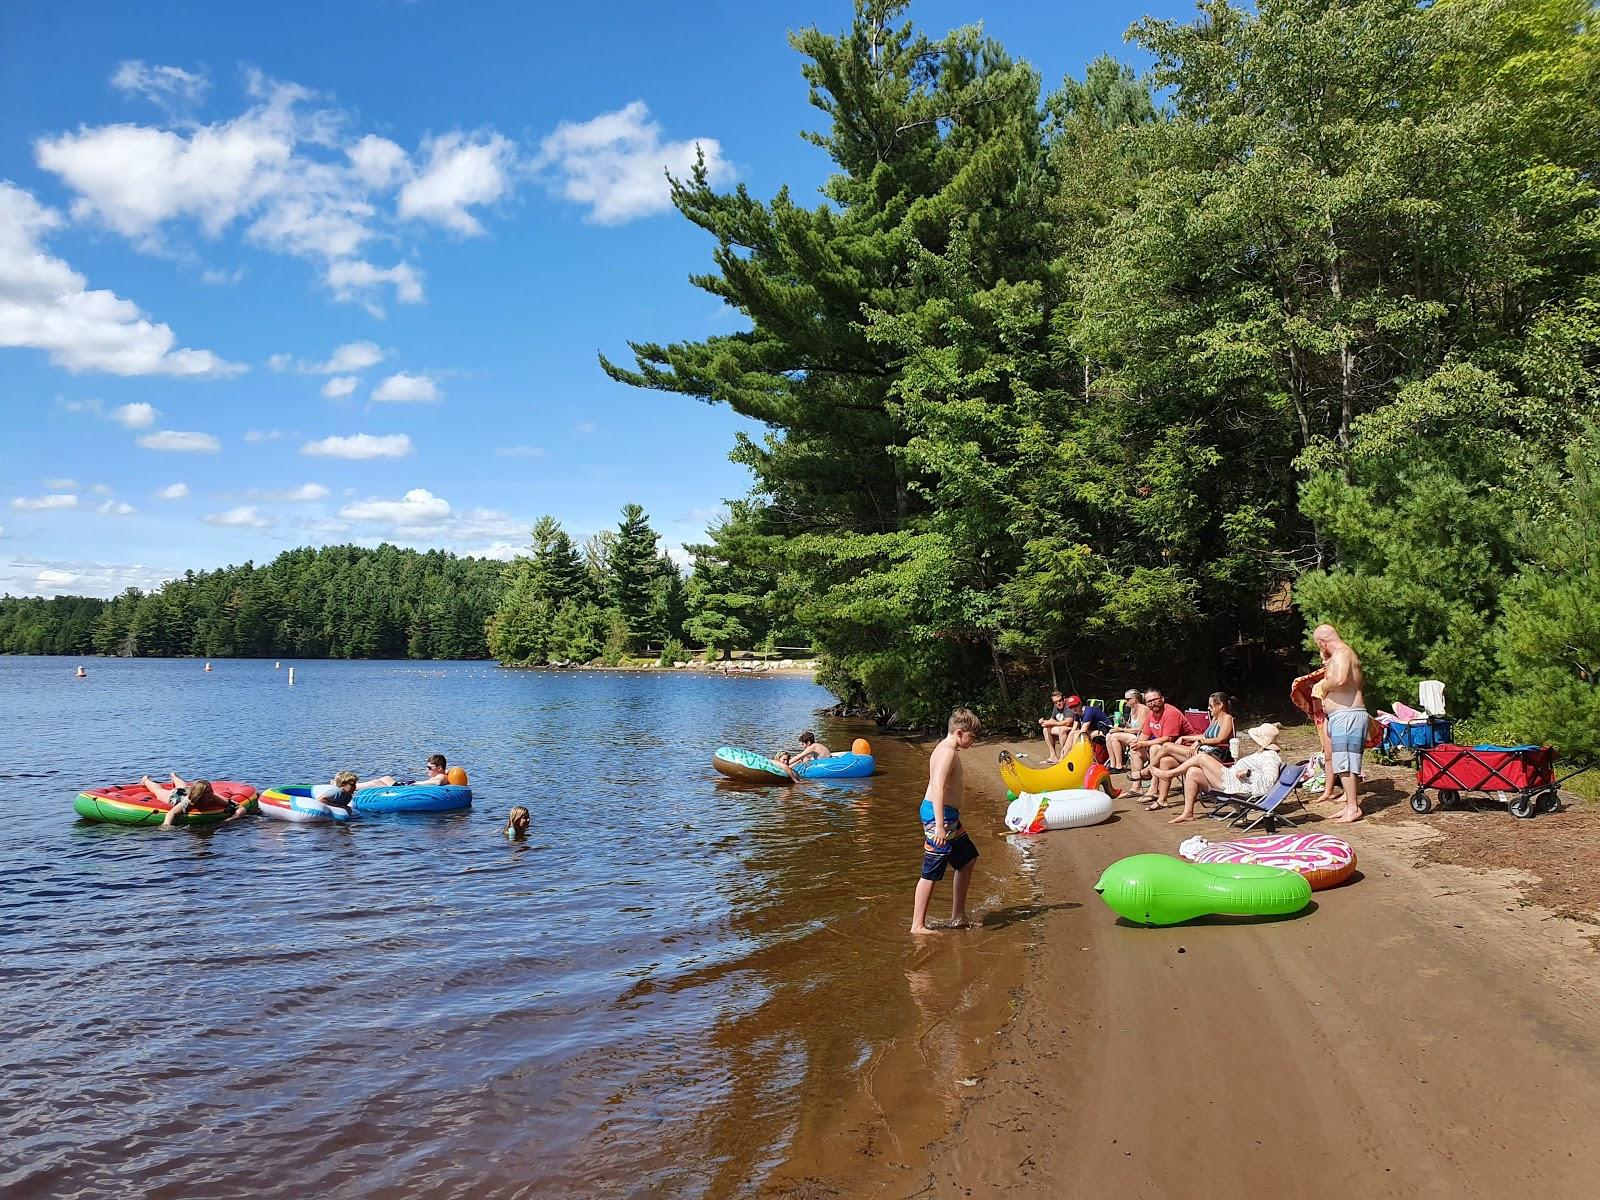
<point x="1522" y="805"/>
<point x="1449" y="799"/>
<point x="1549" y="801"/>
<point x="1419" y="801"/>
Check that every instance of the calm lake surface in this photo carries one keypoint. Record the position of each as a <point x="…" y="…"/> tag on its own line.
<point x="674" y="987"/>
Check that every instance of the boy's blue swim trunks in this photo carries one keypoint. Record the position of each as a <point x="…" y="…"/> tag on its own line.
<point x="957" y="850"/>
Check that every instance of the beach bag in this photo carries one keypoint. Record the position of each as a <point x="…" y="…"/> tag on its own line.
<point x="1316" y="776"/>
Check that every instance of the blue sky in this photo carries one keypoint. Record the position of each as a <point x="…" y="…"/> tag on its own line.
<point x="289" y="274"/>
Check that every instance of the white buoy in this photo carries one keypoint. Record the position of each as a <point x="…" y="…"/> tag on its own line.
<point x="291" y="676"/>
<point x="277" y="666"/>
<point x="208" y="666"/>
<point x="82" y="674"/>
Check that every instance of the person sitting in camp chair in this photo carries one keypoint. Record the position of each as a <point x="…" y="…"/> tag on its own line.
<point x="1058" y="728"/>
<point x="1252" y="776"/>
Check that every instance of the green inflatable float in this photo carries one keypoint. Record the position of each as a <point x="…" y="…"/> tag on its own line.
<point x="1154" y="889"/>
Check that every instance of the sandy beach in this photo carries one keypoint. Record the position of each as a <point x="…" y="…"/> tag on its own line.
<point x="1426" y="1030"/>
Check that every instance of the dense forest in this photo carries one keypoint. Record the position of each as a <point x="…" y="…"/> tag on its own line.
<point x="333" y="602"/>
<point x="1139" y="378"/>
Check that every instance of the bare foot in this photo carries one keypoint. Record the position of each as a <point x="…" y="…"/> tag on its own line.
<point x="920" y="929"/>
<point x="1348" y="817"/>
<point x="960" y="922"/>
<point x="145" y="780"/>
<point x="1154" y="806"/>
<point x="1180" y="819"/>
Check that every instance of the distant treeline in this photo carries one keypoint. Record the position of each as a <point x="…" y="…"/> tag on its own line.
<point x="332" y="602"/>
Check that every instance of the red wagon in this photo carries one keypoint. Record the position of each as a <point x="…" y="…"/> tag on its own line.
<point x="1524" y="777"/>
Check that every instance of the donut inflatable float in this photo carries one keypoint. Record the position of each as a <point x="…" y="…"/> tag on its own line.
<point x="131" y="804"/>
<point x="747" y="766"/>
<point x="1324" y="861"/>
<point x="1154" y="889"/>
<point x="1070" y="809"/>
<point x="1077" y="770"/>
<point x="295" y="802"/>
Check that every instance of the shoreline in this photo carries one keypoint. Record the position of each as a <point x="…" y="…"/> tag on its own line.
<point x="1424" y="1030"/>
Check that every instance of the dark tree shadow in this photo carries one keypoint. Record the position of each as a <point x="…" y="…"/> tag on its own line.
<point x="1001" y="918"/>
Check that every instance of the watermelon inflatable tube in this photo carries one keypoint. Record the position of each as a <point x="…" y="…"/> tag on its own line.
<point x="131" y="804"/>
<point x="1153" y="889"/>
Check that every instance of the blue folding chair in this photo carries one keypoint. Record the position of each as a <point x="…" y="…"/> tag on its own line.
<point x="1246" y="812"/>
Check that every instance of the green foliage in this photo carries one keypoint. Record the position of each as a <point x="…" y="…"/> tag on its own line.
<point x="672" y="651"/>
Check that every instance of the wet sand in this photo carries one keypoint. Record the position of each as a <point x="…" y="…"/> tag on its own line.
<point x="1419" y="1032"/>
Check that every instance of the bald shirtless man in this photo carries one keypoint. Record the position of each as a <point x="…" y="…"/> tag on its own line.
<point x="1347" y="717"/>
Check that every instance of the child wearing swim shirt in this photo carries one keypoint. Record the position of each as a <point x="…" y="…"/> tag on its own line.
<point x="944" y="842"/>
<point x="517" y="823"/>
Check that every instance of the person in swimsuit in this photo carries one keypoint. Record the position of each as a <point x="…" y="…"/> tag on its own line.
<point x="944" y="842"/>
<point x="184" y="794"/>
<point x="343" y="789"/>
<point x="1120" y="739"/>
<point x="517" y="823"/>
<point x="434" y="778"/>
<point x="1346" y="705"/>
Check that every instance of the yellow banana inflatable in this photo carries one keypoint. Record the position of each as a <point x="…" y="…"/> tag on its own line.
<point x="1077" y="770"/>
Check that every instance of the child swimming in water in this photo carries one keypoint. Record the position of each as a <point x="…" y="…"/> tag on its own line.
<point x="517" y="823"/>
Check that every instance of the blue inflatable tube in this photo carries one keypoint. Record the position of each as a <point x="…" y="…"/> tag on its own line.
<point x="837" y="766"/>
<point x="412" y="798"/>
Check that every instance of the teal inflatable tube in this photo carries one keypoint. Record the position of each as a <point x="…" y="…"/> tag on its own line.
<point x="1153" y="889"/>
<point x="837" y="766"/>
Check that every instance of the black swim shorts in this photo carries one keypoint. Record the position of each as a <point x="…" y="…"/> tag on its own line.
<point x="957" y="853"/>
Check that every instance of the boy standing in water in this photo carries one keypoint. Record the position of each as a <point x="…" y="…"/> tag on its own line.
<point x="944" y="842"/>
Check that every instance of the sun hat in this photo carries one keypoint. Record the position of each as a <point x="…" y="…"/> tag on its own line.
<point x="1264" y="735"/>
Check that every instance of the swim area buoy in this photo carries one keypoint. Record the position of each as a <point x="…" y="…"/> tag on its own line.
<point x="1153" y="889"/>
<point x="1070" y="809"/>
<point x="132" y="804"/>
<point x="1324" y="860"/>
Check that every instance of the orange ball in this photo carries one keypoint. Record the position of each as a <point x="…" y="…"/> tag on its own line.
<point x="456" y="776"/>
<point x="861" y="746"/>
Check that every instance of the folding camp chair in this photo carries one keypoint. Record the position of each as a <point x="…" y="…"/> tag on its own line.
<point x="1246" y="812"/>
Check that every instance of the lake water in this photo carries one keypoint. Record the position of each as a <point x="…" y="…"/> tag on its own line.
<point x="674" y="987"/>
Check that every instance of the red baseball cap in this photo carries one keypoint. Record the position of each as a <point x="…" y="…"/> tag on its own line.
<point x="1074" y="701"/>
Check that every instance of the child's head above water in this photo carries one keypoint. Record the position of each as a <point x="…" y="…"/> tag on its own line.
<point x="436" y="762"/>
<point x="346" y="781"/>
<point x="517" y="822"/>
<point x="807" y="738"/>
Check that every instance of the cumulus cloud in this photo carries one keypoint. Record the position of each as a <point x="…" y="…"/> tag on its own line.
<point x="116" y="508"/>
<point x="359" y="446"/>
<point x="378" y="161"/>
<point x="461" y="172"/>
<point x="181" y="443"/>
<point x="419" y="509"/>
<point x="339" y="385"/>
<point x="47" y="577"/>
<point x="405" y="388"/>
<point x="170" y="87"/>
<point x="174" y="491"/>
<point x="615" y="164"/>
<point x="352" y="356"/>
<point x="44" y="503"/>
<point x="246" y="516"/>
<point x="304" y="493"/>
<point x="354" y="279"/>
<point x="46" y="305"/>
<point x="137" y="415"/>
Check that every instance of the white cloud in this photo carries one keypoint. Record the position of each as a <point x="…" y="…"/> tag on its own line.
<point x="166" y="86"/>
<point x="220" y="278"/>
<point x="339" y="385"/>
<point x="174" y="491"/>
<point x="45" y="305"/>
<point x="61" y="485"/>
<point x="352" y="356"/>
<point x="615" y="164"/>
<point x="262" y="435"/>
<point x="305" y="492"/>
<point x="405" y="388"/>
<point x="101" y="489"/>
<point x="267" y="166"/>
<point x="355" y="279"/>
<point x="520" y="451"/>
<point x="137" y="415"/>
<point x="419" y="509"/>
<point x="378" y="161"/>
<point x="246" y="516"/>
<point x="46" y="577"/>
<point x="43" y="503"/>
<point x="116" y="508"/>
<point x="360" y="445"/>
<point x="461" y="172"/>
<point x="182" y="443"/>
